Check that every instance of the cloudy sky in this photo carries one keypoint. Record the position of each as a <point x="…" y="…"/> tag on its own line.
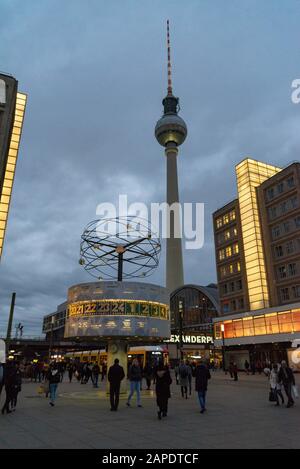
<point x="95" y="74"/>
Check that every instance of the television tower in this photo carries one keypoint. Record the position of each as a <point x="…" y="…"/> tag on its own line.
<point x="171" y="131"/>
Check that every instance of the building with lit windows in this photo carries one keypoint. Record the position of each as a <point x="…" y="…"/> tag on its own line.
<point x="12" y="109"/>
<point x="257" y="243"/>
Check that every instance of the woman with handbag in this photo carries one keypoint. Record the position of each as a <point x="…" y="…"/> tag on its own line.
<point x="275" y="386"/>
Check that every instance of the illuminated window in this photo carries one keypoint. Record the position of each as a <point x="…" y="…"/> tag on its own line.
<point x="232" y="215"/>
<point x="227" y="235"/>
<point x="235" y="248"/>
<point x="259" y="325"/>
<point x="285" y="322"/>
<point x="228" y="251"/>
<point x="272" y="325"/>
<point x="238" y="329"/>
<point x="235" y="231"/>
<point x="221" y="255"/>
<point x="222" y="271"/>
<point x="238" y="266"/>
<point x="248" y="327"/>
<point x="219" y="222"/>
<point x="296" y="320"/>
<point x="231" y="269"/>
<point x="226" y="219"/>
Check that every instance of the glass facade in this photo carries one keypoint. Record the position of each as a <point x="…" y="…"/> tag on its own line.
<point x="250" y="174"/>
<point x="11" y="164"/>
<point x="285" y="322"/>
<point x="198" y="308"/>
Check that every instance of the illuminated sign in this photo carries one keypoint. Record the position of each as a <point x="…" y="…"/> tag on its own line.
<point x="118" y="308"/>
<point x="191" y="339"/>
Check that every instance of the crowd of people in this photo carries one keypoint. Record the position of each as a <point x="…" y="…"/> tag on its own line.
<point x="281" y="378"/>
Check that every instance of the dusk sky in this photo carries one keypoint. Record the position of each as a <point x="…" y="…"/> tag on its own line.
<point x="95" y="74"/>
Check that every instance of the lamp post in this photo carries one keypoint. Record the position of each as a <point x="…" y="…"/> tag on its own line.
<point x="51" y="337"/>
<point x="223" y="346"/>
<point x="181" y="311"/>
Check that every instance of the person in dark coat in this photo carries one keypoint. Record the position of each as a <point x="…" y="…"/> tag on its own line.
<point x="202" y="377"/>
<point x="287" y="378"/>
<point x="115" y="376"/>
<point x="162" y="388"/>
<point x="95" y="375"/>
<point x="148" y="373"/>
<point x="17" y="386"/>
<point x="9" y="377"/>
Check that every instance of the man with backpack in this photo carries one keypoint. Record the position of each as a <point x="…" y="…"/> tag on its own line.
<point x="184" y="373"/>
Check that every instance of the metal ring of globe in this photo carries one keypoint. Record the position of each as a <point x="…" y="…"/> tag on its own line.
<point x="119" y="248"/>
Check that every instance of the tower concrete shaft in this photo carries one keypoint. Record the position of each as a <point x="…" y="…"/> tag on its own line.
<point x="174" y="262"/>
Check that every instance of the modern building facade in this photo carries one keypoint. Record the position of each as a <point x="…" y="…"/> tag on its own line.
<point x="193" y="308"/>
<point x="12" y="109"/>
<point x="257" y="242"/>
<point x="54" y="323"/>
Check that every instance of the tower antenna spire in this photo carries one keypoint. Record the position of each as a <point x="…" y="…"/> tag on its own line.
<point x="170" y="90"/>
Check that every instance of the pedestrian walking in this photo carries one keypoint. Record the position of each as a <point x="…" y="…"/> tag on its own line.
<point x="8" y="384"/>
<point x="54" y="379"/>
<point x="190" y="376"/>
<point x="176" y="369"/>
<point x="184" y="371"/>
<point x="286" y="377"/>
<point x="202" y="377"/>
<point x="275" y="385"/>
<point x="247" y="367"/>
<point x="235" y="371"/>
<point x="162" y="388"/>
<point x="17" y="386"/>
<point x="135" y="378"/>
<point x="70" y="371"/>
<point x="95" y="375"/>
<point x="115" y="376"/>
<point x="148" y="374"/>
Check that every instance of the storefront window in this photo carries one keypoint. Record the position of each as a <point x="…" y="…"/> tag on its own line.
<point x="272" y="323"/>
<point x="285" y="322"/>
<point x="259" y="325"/>
<point x="296" y="320"/>
<point x="238" y="328"/>
<point x="248" y="327"/>
<point x="228" y="334"/>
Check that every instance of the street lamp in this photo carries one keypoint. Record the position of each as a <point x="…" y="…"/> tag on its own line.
<point x="223" y="346"/>
<point x="180" y="311"/>
<point x="51" y="337"/>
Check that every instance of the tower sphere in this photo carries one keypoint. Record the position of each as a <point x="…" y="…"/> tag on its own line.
<point x="170" y="129"/>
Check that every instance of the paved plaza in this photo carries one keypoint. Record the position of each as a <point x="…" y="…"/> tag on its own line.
<point x="239" y="416"/>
